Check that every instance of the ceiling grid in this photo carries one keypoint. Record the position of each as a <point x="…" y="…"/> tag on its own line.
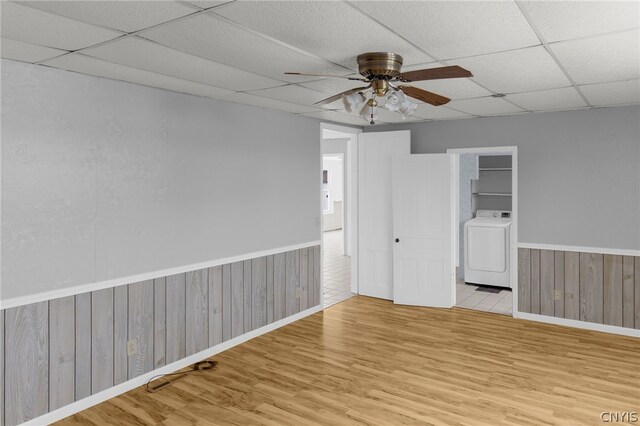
<point x="549" y="51"/>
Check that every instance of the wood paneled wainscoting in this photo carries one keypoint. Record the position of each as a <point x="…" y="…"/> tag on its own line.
<point x="591" y="287"/>
<point x="63" y="350"/>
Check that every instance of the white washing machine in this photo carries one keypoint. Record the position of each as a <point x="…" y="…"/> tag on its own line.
<point x="487" y="243"/>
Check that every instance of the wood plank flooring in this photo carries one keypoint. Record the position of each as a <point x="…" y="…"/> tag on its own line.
<point x="368" y="361"/>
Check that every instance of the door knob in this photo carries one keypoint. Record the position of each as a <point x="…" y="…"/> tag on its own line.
<point x="397" y="240"/>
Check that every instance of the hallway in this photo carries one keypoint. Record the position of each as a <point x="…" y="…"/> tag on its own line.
<point x="336" y="269"/>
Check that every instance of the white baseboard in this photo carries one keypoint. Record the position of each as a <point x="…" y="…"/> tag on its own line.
<point x="114" y="391"/>
<point x="100" y="285"/>
<point x="597" y="250"/>
<point x="580" y="324"/>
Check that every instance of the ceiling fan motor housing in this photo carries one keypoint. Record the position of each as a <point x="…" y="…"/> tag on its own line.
<point x="379" y="65"/>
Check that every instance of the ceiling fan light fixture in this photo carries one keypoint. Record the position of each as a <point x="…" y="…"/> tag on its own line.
<point x="353" y="102"/>
<point x="369" y="113"/>
<point x="408" y="109"/>
<point x="381" y="71"/>
<point x="395" y="99"/>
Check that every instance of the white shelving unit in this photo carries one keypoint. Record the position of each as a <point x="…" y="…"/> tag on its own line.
<point x="495" y="194"/>
<point x="492" y="190"/>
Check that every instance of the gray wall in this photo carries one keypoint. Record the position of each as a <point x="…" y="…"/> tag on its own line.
<point x="578" y="171"/>
<point x="104" y="179"/>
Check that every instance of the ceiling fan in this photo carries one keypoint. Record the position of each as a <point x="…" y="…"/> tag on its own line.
<point x="381" y="70"/>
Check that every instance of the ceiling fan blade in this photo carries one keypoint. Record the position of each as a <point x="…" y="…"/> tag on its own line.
<point x="453" y="71"/>
<point x="339" y="95"/>
<point x="423" y="95"/>
<point x="326" y="75"/>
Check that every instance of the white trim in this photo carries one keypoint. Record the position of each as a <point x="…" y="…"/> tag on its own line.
<point x="114" y="391"/>
<point x="85" y="288"/>
<point x="557" y="247"/>
<point x="501" y="150"/>
<point x="354" y="237"/>
<point x="580" y="324"/>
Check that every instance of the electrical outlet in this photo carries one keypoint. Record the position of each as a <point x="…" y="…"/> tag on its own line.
<point x="557" y="295"/>
<point x="132" y="347"/>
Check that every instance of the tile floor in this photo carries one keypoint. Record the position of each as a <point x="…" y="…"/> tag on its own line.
<point x="336" y="269"/>
<point x="468" y="297"/>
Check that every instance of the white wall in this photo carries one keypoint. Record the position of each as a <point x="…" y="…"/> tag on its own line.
<point x="103" y="179"/>
<point x="579" y="171"/>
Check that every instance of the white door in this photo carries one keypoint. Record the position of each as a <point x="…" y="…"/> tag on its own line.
<point x="422" y="230"/>
<point x="375" y="241"/>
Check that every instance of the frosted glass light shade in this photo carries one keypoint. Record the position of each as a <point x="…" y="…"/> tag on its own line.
<point x="367" y="111"/>
<point x="395" y="100"/>
<point x="353" y="101"/>
<point x="407" y="110"/>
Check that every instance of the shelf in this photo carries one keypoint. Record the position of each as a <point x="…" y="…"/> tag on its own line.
<point x="495" y="194"/>
<point x="495" y="169"/>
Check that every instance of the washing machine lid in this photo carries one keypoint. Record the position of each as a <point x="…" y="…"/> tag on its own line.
<point x="489" y="222"/>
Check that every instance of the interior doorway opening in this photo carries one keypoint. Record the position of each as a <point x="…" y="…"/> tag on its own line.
<point x="337" y="226"/>
<point x="485" y="184"/>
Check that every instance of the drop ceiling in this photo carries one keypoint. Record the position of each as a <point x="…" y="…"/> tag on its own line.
<point x="543" y="55"/>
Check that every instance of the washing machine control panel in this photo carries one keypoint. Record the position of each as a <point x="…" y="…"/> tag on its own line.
<point x="494" y="213"/>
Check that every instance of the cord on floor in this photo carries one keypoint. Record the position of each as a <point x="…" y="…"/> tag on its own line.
<point x="198" y="366"/>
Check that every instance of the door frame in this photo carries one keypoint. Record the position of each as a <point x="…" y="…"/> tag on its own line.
<point x="498" y="150"/>
<point x="350" y="207"/>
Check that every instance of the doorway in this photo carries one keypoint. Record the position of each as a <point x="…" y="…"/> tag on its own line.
<point x="485" y="218"/>
<point x="338" y="202"/>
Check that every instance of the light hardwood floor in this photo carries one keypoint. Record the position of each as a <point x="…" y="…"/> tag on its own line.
<point x="368" y="361"/>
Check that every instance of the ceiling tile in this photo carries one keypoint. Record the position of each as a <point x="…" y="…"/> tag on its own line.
<point x="20" y="51"/>
<point x="209" y="37"/>
<point x="292" y="93"/>
<point x="45" y="29"/>
<point x="387" y="116"/>
<point x="249" y="99"/>
<point x="438" y="112"/>
<point x="453" y="29"/>
<point x="600" y="59"/>
<point x="92" y="66"/>
<point x="150" y="56"/>
<point x="521" y="70"/>
<point x="618" y="93"/>
<point x="546" y="100"/>
<point x="209" y="4"/>
<point x="125" y="16"/>
<point x="338" y="117"/>
<point x="562" y="20"/>
<point x="485" y="106"/>
<point x="329" y="29"/>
